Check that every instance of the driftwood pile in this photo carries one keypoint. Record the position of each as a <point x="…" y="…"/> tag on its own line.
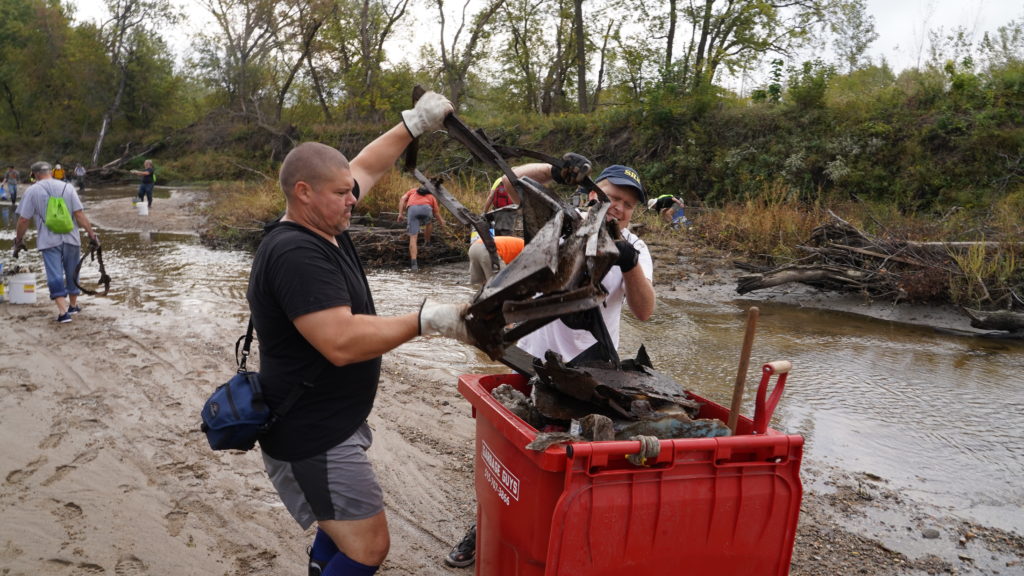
<point x="842" y="258"/>
<point x="384" y="243"/>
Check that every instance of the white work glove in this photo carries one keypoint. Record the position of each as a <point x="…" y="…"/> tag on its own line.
<point x="448" y="320"/>
<point x="428" y="114"/>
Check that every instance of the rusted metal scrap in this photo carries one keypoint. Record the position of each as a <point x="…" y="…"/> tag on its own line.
<point x="558" y="276"/>
<point x="633" y="391"/>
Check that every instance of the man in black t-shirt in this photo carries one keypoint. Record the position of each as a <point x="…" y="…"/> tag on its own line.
<point x="312" y="308"/>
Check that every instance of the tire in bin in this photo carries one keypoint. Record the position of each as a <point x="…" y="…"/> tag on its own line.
<point x="718" y="506"/>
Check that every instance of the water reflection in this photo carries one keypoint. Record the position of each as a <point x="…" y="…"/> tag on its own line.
<point x="938" y="416"/>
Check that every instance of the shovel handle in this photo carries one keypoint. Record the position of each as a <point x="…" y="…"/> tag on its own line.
<point x="741" y="373"/>
<point x="765" y="407"/>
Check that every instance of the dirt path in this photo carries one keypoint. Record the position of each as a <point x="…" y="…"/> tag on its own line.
<point x="104" y="470"/>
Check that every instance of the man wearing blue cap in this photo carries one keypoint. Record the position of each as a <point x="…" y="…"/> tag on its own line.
<point x="630" y="280"/>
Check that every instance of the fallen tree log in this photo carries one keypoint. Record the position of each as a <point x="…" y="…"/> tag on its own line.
<point x="834" y="277"/>
<point x="996" y="320"/>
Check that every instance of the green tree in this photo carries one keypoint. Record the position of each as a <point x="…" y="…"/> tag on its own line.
<point x="236" y="59"/>
<point x="130" y="23"/>
<point x="732" y="33"/>
<point x="854" y="32"/>
<point x="466" y="47"/>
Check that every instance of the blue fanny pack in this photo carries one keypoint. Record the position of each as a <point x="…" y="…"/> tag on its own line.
<point x="236" y="414"/>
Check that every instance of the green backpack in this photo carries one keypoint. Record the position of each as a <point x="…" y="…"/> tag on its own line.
<point x="58" y="218"/>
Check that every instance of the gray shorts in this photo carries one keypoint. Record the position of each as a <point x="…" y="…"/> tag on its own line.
<point x="336" y="485"/>
<point x="419" y="215"/>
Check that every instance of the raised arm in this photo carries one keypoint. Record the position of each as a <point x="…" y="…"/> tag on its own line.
<point x="380" y="155"/>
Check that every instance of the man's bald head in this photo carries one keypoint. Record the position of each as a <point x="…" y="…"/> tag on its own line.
<point x="310" y="162"/>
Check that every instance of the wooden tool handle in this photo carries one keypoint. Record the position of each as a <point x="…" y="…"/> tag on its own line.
<point x="741" y="373"/>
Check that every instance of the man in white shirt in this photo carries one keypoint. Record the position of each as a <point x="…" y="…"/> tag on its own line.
<point x="629" y="281"/>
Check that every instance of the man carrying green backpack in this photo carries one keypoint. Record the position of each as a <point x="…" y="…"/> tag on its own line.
<point x="58" y="213"/>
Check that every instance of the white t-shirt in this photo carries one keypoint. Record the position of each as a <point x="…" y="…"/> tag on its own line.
<point x="570" y="343"/>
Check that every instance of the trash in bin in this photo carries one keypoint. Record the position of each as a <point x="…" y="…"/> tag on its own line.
<point x="594" y="401"/>
<point x="726" y="506"/>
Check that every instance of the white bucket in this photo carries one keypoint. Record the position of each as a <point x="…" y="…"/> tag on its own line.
<point x="22" y="288"/>
<point x="143" y="208"/>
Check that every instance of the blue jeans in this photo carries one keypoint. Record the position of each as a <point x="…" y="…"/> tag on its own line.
<point x="146" y="191"/>
<point x="61" y="262"/>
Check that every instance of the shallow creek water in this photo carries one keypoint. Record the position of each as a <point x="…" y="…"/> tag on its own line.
<point x="939" y="417"/>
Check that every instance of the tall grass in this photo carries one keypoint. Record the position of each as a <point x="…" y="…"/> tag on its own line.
<point x="767" y="227"/>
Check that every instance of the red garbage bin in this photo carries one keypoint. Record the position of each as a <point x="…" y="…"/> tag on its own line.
<point x="721" y="506"/>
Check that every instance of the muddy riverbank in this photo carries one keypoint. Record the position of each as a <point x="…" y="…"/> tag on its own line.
<point x="108" y="472"/>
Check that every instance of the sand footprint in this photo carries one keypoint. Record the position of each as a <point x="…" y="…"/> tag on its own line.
<point x="69" y="511"/>
<point x="175" y="521"/>
<point x="20" y="475"/>
<point x="65" y="469"/>
<point x="59" y="473"/>
<point x="130" y="566"/>
<point x="14" y="378"/>
<point x="10" y="552"/>
<point x="77" y="568"/>
<point x="52" y="441"/>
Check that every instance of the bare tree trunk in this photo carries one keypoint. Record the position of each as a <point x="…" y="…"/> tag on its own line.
<point x="108" y="116"/>
<point x="10" y="105"/>
<point x="306" y="47"/>
<point x="600" y="68"/>
<point x="705" y="31"/>
<point x="671" y="37"/>
<point x="581" y="57"/>
<point x="319" y="87"/>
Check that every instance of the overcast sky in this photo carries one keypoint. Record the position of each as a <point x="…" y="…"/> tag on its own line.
<point x="902" y="25"/>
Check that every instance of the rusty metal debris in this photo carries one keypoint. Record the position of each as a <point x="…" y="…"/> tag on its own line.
<point x="558" y="276"/>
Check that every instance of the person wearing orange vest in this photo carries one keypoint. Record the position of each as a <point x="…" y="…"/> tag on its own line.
<point x="480" y="270"/>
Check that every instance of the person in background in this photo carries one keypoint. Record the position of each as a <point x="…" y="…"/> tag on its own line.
<point x="423" y="209"/>
<point x="666" y="206"/>
<point x="480" y="270"/>
<point x="499" y="196"/>
<point x="61" y="252"/>
<point x="148" y="174"/>
<point x="312" y="307"/>
<point x="629" y="281"/>
<point x="503" y="217"/>
<point x="11" y="180"/>
<point x="58" y="172"/>
<point x="80" y="176"/>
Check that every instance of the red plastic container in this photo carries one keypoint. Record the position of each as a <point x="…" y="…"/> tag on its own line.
<point x="717" y="506"/>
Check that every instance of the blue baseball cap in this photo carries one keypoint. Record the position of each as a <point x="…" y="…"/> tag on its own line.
<point x="623" y="176"/>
